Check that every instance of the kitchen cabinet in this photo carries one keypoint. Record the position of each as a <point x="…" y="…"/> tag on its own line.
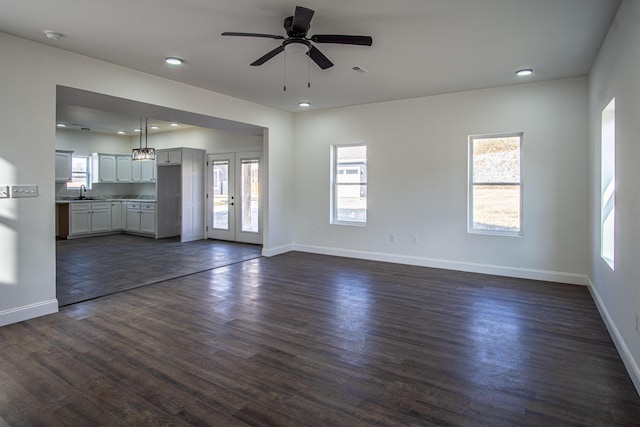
<point x="168" y="157"/>
<point x="89" y="217"/>
<point x="148" y="218"/>
<point x="117" y="216"/>
<point x="141" y="217"/>
<point x="143" y="171"/>
<point x="123" y="168"/>
<point x="63" y="165"/>
<point x="79" y="218"/>
<point x="100" y="217"/>
<point x="104" y="167"/>
<point x="133" y="217"/>
<point x="180" y="197"/>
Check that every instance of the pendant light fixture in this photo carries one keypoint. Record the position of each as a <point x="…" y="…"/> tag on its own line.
<point x="145" y="153"/>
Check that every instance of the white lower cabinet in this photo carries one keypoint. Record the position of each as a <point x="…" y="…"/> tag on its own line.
<point x="85" y="218"/>
<point x="100" y="217"/>
<point x="148" y="218"/>
<point x="103" y="217"/>
<point x="133" y="217"/>
<point x="117" y="217"/>
<point x="79" y="218"/>
<point x="141" y="217"/>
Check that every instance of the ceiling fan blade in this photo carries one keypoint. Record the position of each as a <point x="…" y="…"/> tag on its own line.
<point x="268" y="56"/>
<point x="319" y="58"/>
<point x="342" y="39"/>
<point x="302" y="20"/>
<point x="267" y="36"/>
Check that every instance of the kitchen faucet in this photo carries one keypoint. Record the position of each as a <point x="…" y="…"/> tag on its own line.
<point x="85" y="190"/>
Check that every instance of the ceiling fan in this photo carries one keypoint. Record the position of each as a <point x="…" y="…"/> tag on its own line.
<point x="297" y="27"/>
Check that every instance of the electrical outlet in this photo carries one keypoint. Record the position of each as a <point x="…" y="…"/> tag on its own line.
<point x="392" y="237"/>
<point x="416" y="239"/>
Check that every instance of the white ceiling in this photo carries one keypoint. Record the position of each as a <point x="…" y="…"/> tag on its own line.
<point x="420" y="47"/>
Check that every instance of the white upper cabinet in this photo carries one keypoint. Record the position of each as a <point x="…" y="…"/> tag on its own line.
<point x="143" y="170"/>
<point x="123" y="168"/>
<point x="63" y="165"/>
<point x="104" y="167"/>
<point x="168" y="157"/>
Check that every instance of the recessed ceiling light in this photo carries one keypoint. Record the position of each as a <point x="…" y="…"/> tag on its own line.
<point x="154" y="127"/>
<point x="121" y="132"/>
<point x="173" y="124"/>
<point x="137" y="130"/>
<point x="173" y="60"/>
<point x="524" y="72"/>
<point x="53" y="35"/>
<point x="61" y="125"/>
<point x="304" y="104"/>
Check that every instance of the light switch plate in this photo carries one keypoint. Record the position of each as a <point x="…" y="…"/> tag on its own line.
<point x="4" y="192"/>
<point x="24" y="191"/>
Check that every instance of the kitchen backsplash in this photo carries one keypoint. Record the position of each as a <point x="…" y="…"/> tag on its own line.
<point x="109" y="191"/>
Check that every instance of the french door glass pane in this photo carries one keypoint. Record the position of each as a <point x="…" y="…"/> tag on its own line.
<point x="221" y="194"/>
<point x="250" y="192"/>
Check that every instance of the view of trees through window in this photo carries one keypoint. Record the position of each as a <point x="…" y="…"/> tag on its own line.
<point x="495" y="193"/>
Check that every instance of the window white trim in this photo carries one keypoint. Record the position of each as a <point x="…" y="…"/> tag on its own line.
<point x="471" y="228"/>
<point x="74" y="184"/>
<point x="335" y="185"/>
<point x="608" y="184"/>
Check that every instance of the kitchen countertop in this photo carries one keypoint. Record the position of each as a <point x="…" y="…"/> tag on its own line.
<point x="62" y="201"/>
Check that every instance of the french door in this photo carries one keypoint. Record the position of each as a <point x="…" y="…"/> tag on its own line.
<point x="234" y="211"/>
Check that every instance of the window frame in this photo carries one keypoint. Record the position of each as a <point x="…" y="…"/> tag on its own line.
<point x="88" y="179"/>
<point x="334" y="186"/>
<point x="608" y="184"/>
<point x="470" y="187"/>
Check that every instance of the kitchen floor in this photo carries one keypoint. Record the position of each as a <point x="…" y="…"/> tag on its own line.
<point x="97" y="266"/>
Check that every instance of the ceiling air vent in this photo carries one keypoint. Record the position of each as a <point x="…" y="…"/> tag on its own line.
<point x="358" y="69"/>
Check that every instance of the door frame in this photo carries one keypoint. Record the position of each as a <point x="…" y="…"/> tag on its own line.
<point x="235" y="232"/>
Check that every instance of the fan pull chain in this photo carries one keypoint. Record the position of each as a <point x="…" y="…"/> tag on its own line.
<point x="308" y="70"/>
<point x="284" y="77"/>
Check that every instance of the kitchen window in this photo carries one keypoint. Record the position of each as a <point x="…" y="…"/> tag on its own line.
<point x="80" y="172"/>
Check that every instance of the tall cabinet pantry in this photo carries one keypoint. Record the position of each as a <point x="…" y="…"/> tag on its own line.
<point x="180" y="187"/>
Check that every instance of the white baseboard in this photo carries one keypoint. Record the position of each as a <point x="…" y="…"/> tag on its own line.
<point x="277" y="250"/>
<point x="497" y="270"/>
<point x="627" y="357"/>
<point x="27" y="312"/>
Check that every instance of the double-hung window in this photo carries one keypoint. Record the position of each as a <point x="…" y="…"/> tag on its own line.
<point x="495" y="184"/>
<point x="349" y="184"/>
<point x="80" y="172"/>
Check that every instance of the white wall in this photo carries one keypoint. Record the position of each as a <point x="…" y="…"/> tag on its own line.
<point x="417" y="180"/>
<point x="30" y="72"/>
<point x="615" y="74"/>
<point x="211" y="140"/>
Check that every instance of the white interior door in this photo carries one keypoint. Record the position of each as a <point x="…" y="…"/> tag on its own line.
<point x="234" y="202"/>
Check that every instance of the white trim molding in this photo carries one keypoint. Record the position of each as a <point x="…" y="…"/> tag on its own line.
<point x="27" y="312"/>
<point x="625" y="354"/>
<point x="496" y="270"/>
<point x="277" y="250"/>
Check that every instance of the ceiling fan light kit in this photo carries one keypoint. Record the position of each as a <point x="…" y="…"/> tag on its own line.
<point x="297" y="27"/>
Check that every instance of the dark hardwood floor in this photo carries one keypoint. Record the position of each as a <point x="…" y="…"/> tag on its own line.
<point x="302" y="339"/>
<point x="97" y="266"/>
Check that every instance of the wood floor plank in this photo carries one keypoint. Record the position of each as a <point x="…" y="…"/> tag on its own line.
<point x="301" y="339"/>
